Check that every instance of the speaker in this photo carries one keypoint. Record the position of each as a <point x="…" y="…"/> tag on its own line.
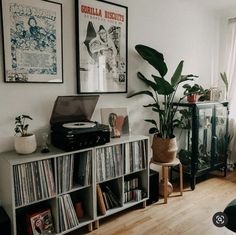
<point x="5" y="224"/>
<point x="153" y="187"/>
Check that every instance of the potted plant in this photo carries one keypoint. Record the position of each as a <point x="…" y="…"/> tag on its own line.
<point x="192" y="92"/>
<point x="162" y="94"/>
<point x="24" y="142"/>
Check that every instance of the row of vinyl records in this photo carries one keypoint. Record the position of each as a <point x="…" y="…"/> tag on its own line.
<point x="116" y="160"/>
<point x="42" y="179"/>
<point x="136" y="156"/>
<point x="109" y="162"/>
<point x="67" y="216"/>
<point x="42" y="221"/>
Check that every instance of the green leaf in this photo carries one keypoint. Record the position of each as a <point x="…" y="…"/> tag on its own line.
<point x="151" y="121"/>
<point x="17" y="130"/>
<point x="176" y="78"/>
<point x="153" y="57"/>
<point x="176" y="123"/>
<point x="163" y="86"/>
<point x="188" y="77"/>
<point x="186" y="86"/>
<point x="146" y="81"/>
<point x="152" y="105"/>
<point x="27" y="117"/>
<point x="149" y="93"/>
<point x="153" y="130"/>
<point x="156" y="110"/>
<point x="225" y="80"/>
<point x="18" y="118"/>
<point x="26" y="127"/>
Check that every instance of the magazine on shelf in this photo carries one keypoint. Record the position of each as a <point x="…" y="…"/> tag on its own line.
<point x="40" y="222"/>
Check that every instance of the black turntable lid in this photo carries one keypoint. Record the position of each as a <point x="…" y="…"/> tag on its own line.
<point x="73" y="109"/>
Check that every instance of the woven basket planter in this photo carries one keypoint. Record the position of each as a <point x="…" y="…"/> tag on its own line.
<point x="164" y="150"/>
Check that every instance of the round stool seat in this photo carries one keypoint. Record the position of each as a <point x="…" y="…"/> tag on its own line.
<point x="175" y="162"/>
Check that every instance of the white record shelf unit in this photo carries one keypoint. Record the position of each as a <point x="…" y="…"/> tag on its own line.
<point x="77" y="188"/>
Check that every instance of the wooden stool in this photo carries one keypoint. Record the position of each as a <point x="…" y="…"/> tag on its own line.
<point x="165" y="171"/>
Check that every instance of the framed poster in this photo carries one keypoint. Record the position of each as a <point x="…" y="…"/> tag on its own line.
<point x="101" y="47"/>
<point x="32" y="39"/>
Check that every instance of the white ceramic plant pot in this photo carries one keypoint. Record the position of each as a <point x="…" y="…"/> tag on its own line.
<point x="25" y="144"/>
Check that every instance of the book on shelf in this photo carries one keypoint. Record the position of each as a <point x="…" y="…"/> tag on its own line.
<point x="40" y="222"/>
<point x="131" y="190"/>
<point x="112" y="196"/>
<point x="79" y="210"/>
<point x="100" y="201"/>
<point x="108" y="197"/>
<point x="107" y="203"/>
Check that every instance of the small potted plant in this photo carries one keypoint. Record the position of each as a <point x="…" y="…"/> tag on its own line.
<point x="192" y="92"/>
<point x="24" y="142"/>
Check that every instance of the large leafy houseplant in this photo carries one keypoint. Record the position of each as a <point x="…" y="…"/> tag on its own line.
<point x="161" y="92"/>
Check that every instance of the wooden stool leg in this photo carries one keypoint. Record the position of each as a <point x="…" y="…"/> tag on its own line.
<point x="181" y="178"/>
<point x="165" y="176"/>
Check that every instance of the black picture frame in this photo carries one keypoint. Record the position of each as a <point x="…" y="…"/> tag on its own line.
<point x="101" y="46"/>
<point x="32" y="41"/>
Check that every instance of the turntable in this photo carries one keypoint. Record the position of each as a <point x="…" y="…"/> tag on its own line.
<point x="71" y="126"/>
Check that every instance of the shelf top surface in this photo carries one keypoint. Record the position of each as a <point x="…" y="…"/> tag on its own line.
<point x="185" y="103"/>
<point x="13" y="158"/>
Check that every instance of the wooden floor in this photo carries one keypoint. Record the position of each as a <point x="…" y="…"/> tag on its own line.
<point x="190" y="214"/>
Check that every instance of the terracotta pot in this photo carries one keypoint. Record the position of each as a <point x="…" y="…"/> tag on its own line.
<point x="25" y="144"/>
<point x="192" y="98"/>
<point x="164" y="150"/>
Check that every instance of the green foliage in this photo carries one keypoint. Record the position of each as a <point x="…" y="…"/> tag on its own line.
<point x="195" y="89"/>
<point x="185" y="119"/>
<point x="21" y="126"/>
<point x="161" y="91"/>
<point x="185" y="157"/>
<point x="225" y="80"/>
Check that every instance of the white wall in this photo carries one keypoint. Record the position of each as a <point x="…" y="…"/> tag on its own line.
<point x="224" y="17"/>
<point x="177" y="28"/>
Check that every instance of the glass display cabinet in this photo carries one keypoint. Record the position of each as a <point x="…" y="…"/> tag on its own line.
<point x="202" y="136"/>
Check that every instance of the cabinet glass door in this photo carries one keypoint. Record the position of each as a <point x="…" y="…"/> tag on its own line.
<point x="183" y="134"/>
<point x="220" y="138"/>
<point x="204" y="138"/>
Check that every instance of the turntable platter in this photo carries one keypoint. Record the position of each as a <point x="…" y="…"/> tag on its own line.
<point x="79" y="125"/>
